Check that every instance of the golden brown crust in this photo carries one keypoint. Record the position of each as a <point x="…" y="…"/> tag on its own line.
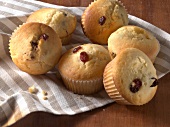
<point x="128" y="65"/>
<point x="32" y="52"/>
<point x="43" y="15"/>
<point x="115" y="16"/>
<point x="133" y="37"/>
<point x="72" y="67"/>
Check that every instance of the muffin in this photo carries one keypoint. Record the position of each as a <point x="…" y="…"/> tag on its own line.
<point x="130" y="78"/>
<point x="35" y="48"/>
<point x="133" y="37"/>
<point x="63" y="22"/>
<point x="82" y="67"/>
<point x="101" y="18"/>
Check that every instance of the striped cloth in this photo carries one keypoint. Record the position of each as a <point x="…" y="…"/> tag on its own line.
<point x="16" y="102"/>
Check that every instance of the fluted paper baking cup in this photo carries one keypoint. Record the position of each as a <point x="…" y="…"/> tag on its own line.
<point x="110" y="87"/>
<point x="85" y="87"/>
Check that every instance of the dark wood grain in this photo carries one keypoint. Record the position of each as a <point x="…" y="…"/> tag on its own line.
<point x="154" y="114"/>
<point x="154" y="11"/>
<point x="82" y="3"/>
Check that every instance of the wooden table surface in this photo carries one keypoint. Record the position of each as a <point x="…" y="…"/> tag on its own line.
<point x="154" y="114"/>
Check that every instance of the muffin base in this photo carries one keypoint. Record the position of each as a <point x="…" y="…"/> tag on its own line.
<point x="85" y="87"/>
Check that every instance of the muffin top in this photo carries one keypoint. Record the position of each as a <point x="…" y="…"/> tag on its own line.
<point x="35" y="48"/>
<point x="134" y="76"/>
<point x="133" y="37"/>
<point x="63" y="22"/>
<point x="84" y="62"/>
<point x="101" y="18"/>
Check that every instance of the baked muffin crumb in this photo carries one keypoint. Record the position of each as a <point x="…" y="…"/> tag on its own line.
<point x="45" y="97"/>
<point x="44" y="93"/>
<point x="33" y="89"/>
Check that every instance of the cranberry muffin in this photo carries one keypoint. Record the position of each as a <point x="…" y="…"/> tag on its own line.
<point x="82" y="68"/>
<point x="35" y="48"/>
<point x="133" y="37"/>
<point x="62" y="21"/>
<point x="130" y="78"/>
<point x="103" y="17"/>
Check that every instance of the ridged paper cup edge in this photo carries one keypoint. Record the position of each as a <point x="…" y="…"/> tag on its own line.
<point x="84" y="87"/>
<point x="110" y="87"/>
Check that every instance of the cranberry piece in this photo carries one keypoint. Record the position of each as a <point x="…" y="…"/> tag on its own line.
<point x="155" y="83"/>
<point x="32" y="57"/>
<point x="135" y="86"/>
<point x="65" y="14"/>
<point x="84" y="57"/>
<point x="102" y="20"/>
<point x="34" y="45"/>
<point x="76" y="49"/>
<point x="113" y="55"/>
<point x="44" y="36"/>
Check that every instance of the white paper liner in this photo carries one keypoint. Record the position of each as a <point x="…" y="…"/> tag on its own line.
<point x="85" y="87"/>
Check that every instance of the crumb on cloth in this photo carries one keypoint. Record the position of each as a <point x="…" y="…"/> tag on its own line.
<point x="33" y="89"/>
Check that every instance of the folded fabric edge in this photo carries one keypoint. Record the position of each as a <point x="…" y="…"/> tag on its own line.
<point x="13" y="119"/>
